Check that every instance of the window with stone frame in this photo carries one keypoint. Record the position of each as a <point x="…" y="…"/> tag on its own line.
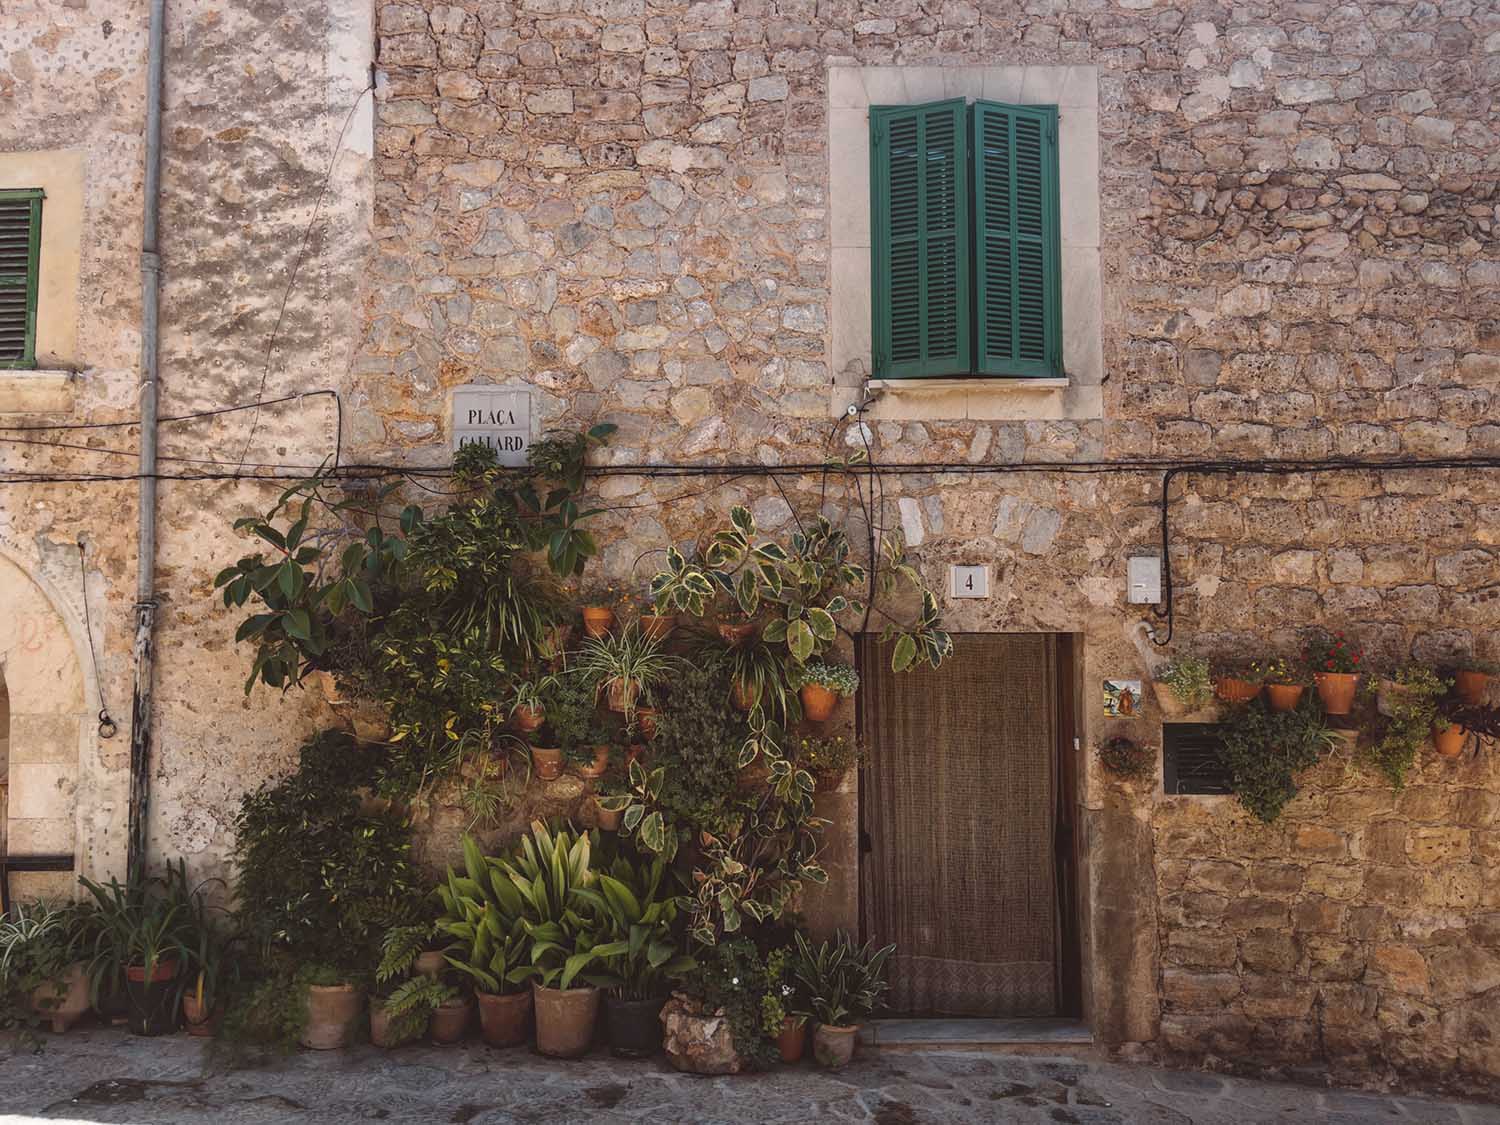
<point x="20" y="250"/>
<point x="966" y="249"/>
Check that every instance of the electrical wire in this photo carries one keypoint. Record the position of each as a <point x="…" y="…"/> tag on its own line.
<point x="107" y="727"/>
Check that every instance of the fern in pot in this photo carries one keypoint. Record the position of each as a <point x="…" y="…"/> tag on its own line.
<point x="845" y="984"/>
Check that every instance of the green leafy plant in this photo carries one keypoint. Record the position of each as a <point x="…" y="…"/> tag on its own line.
<point x="1410" y="712"/>
<point x="1280" y="670"/>
<point x="550" y="868"/>
<point x="1266" y="750"/>
<point x="407" y="998"/>
<point x="148" y="924"/>
<point x="624" y="664"/>
<point x="637" y="948"/>
<point x="1331" y="652"/>
<point x="482" y="920"/>
<point x="844" y="982"/>
<point x="830" y="757"/>
<point x="840" y="679"/>
<point x="1189" y="677"/>
<point x="733" y="977"/>
<point x="38" y="943"/>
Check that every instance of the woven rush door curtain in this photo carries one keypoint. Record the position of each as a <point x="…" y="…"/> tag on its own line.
<point x="959" y="810"/>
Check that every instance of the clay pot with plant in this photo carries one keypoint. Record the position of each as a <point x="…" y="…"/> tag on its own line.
<point x="821" y="685"/>
<point x="598" y="605"/>
<point x="572" y="729"/>
<point x="1408" y="702"/>
<point x="1285" y="683"/>
<point x="1335" y="665"/>
<point x="829" y="759"/>
<point x="1237" y="684"/>
<point x="1183" y="686"/>
<point x="1449" y="738"/>
<point x="409" y="986"/>
<point x="591" y="762"/>
<point x="844" y="984"/>
<point x="40" y="971"/>
<point x="656" y="624"/>
<point x="623" y="667"/>
<point x="528" y="706"/>
<point x="1471" y="680"/>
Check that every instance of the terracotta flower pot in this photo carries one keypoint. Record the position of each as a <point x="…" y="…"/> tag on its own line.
<point x="1336" y="690"/>
<point x="792" y="1041"/>
<point x="622" y="694"/>
<point x="657" y="626"/>
<point x="431" y="962"/>
<point x="333" y="1010"/>
<point x="598" y="766"/>
<point x="201" y="1019"/>
<point x="598" y="620"/>
<point x="736" y="633"/>
<point x="1284" y="697"/>
<point x="450" y="1021"/>
<point x="608" y="820"/>
<point x="528" y="719"/>
<point x="64" y="1001"/>
<point x="1233" y="689"/>
<point x="565" y="1019"/>
<point x="380" y="1025"/>
<point x="1450" y="742"/>
<point x="504" y="1019"/>
<point x="547" y="762"/>
<point x="833" y="1047"/>
<point x="152" y="1002"/>
<point x="1472" y="687"/>
<point x="743" y="693"/>
<point x="818" y="702"/>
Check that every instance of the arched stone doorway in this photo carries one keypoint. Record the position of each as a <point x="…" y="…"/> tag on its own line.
<point x="47" y="735"/>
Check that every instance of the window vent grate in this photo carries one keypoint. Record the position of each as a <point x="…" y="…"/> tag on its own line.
<point x="1192" y="759"/>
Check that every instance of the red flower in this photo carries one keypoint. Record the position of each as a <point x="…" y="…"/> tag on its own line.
<point x="1330" y="665"/>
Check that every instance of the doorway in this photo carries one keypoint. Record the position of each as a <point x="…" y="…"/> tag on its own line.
<point x="967" y="827"/>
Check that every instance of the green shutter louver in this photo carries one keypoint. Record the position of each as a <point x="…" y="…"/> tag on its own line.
<point x="20" y="247"/>
<point x="1017" y="241"/>
<point x="919" y="239"/>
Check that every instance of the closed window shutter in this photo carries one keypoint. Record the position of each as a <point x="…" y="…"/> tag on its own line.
<point x="1017" y="242"/>
<point x="920" y="240"/>
<point x="20" y="245"/>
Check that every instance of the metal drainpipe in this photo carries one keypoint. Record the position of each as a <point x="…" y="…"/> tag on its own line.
<point x="145" y="586"/>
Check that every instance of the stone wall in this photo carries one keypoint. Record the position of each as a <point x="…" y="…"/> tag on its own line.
<point x="624" y="206"/>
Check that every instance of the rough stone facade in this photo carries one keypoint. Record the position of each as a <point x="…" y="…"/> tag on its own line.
<point x="623" y="206"/>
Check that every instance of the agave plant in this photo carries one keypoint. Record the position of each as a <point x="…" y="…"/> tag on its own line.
<point x="482" y="912"/>
<point x="844" y="981"/>
<point x="641" y="954"/>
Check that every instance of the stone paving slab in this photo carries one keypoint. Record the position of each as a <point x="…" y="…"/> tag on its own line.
<point x="108" y="1076"/>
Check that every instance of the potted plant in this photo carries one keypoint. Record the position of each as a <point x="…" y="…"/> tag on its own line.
<point x="482" y="917"/>
<point x="657" y="623"/>
<point x="735" y="626"/>
<point x="405" y="999"/>
<point x="528" y="708"/>
<point x="213" y="969"/>
<point x="1472" y="678"/>
<point x="598" y="608"/>
<point x="822" y="685"/>
<point x="611" y="798"/>
<point x="1183" y="686"/>
<point x="1449" y="736"/>
<point x="41" y="975"/>
<point x="1408" y="705"/>
<point x="844" y="983"/>
<point x="141" y="928"/>
<point x="1284" y="682"/>
<point x="1236" y="683"/>
<point x="1335" y="667"/>
<point x="550" y="868"/>
<point x="571" y="723"/>
<point x="637" y="950"/>
<point x="1266" y="750"/>
<point x="828" y="759"/>
<point x="1401" y="686"/>
<point x="590" y="762"/>
<point x="624" y="666"/>
<point x="785" y="1007"/>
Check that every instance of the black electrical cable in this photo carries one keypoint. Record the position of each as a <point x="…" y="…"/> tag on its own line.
<point x="107" y="727"/>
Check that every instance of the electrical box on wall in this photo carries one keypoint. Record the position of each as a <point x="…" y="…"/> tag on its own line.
<point x="1144" y="575"/>
<point x="968" y="581"/>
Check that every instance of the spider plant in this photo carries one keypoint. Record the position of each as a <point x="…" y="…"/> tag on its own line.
<point x="624" y="664"/>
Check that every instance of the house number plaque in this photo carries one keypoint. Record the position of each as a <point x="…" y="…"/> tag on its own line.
<point x="968" y="581"/>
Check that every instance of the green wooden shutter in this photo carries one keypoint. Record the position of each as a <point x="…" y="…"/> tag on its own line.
<point x="919" y="240"/>
<point x="20" y="246"/>
<point x="1017" y="242"/>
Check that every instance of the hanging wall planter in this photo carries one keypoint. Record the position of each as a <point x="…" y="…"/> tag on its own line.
<point x="1472" y="686"/>
<point x="547" y="762"/>
<point x="1236" y="689"/>
<point x="1450" y="740"/>
<point x="598" y="620"/>
<point x="1336" y="690"/>
<point x="1284" y="697"/>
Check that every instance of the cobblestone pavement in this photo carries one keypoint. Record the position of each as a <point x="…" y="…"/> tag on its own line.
<point x="107" y="1076"/>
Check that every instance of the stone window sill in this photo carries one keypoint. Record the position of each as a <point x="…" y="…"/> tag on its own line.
<point x="33" y="391"/>
<point x="968" y="386"/>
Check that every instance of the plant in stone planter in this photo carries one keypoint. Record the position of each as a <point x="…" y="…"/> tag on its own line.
<point x="637" y="951"/>
<point x="1236" y="682"/>
<point x="1408" y="704"/>
<point x="1266" y="750"/>
<point x="623" y="666"/>
<point x="1125" y="757"/>
<point x="1184" y="685"/>
<point x="1335" y="667"/>
<point x="822" y="685"/>
<point x="844" y="983"/>
<point x="42" y="974"/>
<point x="726" y="987"/>
<point x="1285" y="682"/>
<point x="488" y="944"/>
